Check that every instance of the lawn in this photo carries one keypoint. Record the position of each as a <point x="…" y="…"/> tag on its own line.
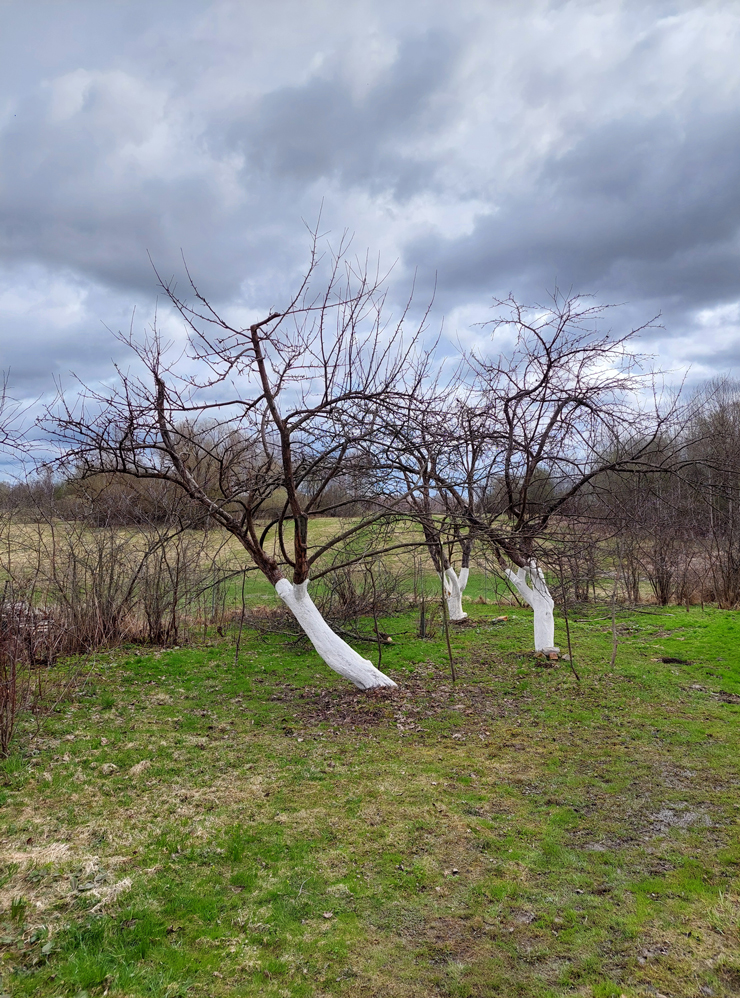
<point x="186" y="826"/>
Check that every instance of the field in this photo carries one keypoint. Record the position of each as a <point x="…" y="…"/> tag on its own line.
<point x="186" y="826"/>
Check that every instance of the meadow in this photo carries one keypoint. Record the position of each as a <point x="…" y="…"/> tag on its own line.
<point x="184" y="824"/>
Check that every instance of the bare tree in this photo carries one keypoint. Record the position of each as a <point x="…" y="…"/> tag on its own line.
<point x="544" y="420"/>
<point x="265" y="417"/>
<point x="418" y="443"/>
<point x="9" y="412"/>
<point x="714" y="448"/>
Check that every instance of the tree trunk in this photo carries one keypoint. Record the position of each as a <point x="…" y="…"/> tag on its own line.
<point x="539" y="598"/>
<point x="335" y="652"/>
<point x="454" y="587"/>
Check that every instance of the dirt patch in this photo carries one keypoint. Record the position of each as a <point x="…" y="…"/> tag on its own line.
<point x="726" y="697"/>
<point x="678" y="816"/>
<point x="366" y="708"/>
<point x="448" y="938"/>
<point x="407" y="709"/>
<point x="729" y="974"/>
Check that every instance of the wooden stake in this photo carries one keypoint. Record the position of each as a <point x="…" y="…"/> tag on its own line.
<point x="444" y="617"/>
<point x="567" y="624"/>
<point x="241" y="624"/>
<point x="615" y="643"/>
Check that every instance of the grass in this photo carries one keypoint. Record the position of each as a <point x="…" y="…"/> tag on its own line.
<point x="185" y="827"/>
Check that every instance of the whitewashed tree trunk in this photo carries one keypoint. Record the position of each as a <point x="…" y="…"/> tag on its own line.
<point x="454" y="587"/>
<point x="335" y="652"/>
<point x="539" y="598"/>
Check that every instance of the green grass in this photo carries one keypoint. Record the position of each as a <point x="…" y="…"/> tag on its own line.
<point x="268" y="831"/>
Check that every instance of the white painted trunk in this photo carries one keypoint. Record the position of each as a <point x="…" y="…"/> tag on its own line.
<point x="454" y="587"/>
<point x="538" y="596"/>
<point x="335" y="652"/>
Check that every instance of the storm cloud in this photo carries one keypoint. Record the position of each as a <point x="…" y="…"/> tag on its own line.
<point x="486" y="148"/>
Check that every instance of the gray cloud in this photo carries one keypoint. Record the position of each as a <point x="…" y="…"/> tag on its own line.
<point x="646" y="207"/>
<point x="322" y="130"/>
<point x="93" y="180"/>
<point x="497" y="147"/>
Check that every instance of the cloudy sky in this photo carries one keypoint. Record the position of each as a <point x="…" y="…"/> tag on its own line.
<point x="493" y="146"/>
